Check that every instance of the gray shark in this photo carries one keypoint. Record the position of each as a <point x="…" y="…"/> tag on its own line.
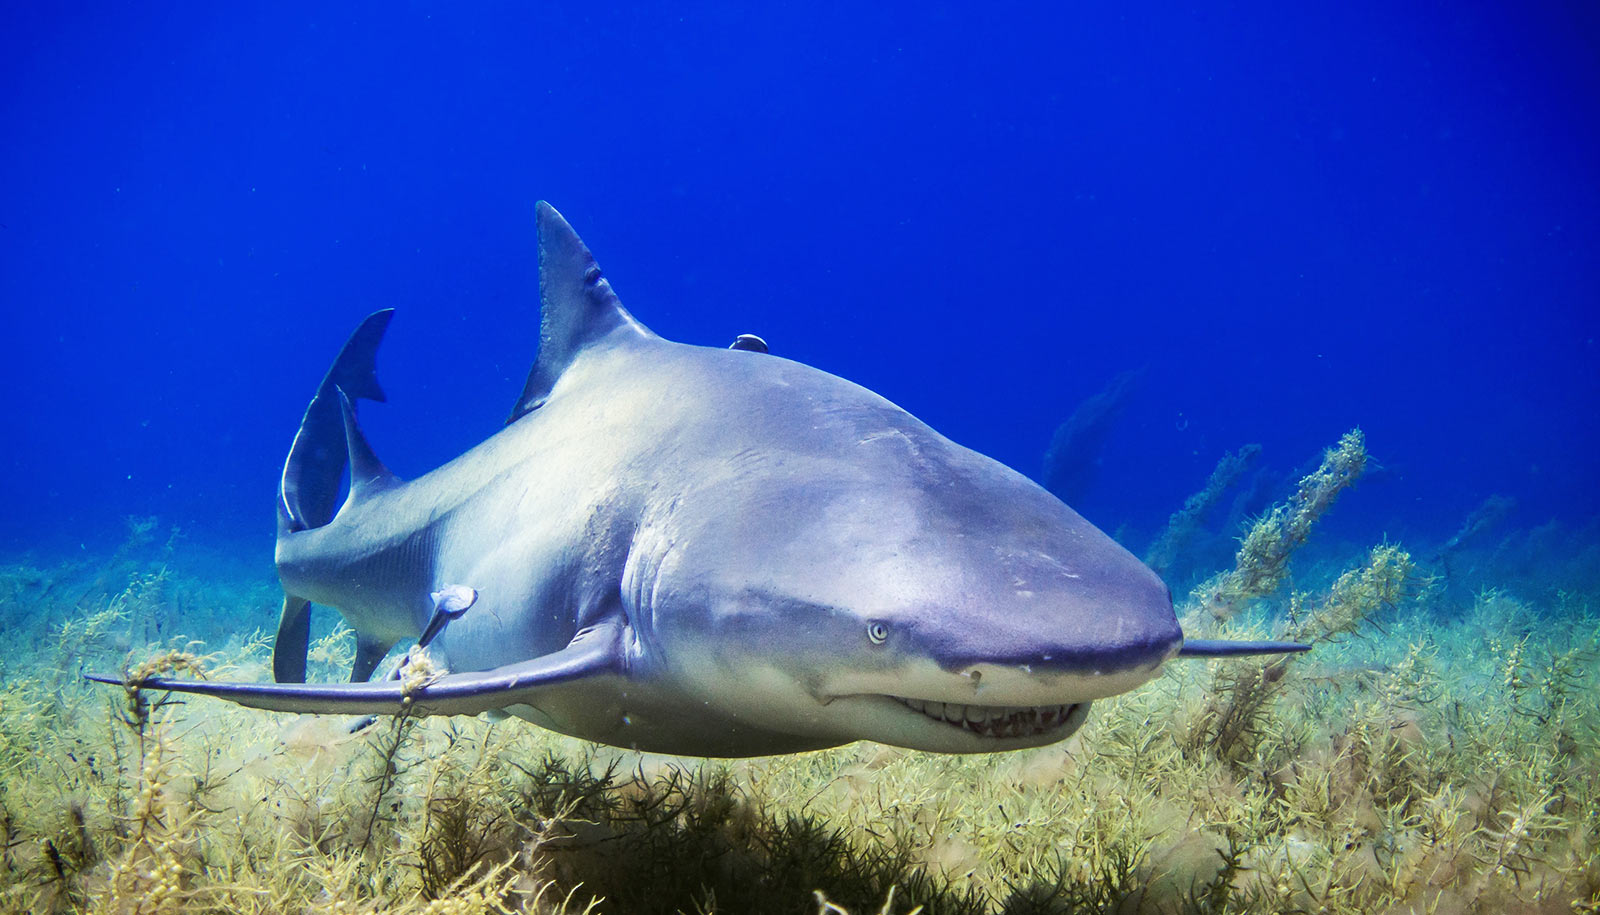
<point x="703" y="551"/>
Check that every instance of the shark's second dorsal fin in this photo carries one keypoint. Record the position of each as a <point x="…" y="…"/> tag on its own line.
<point x="576" y="307"/>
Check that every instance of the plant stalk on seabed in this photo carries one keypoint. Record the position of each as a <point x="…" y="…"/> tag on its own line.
<point x="1243" y="692"/>
<point x="1185" y="524"/>
<point x="415" y="672"/>
<point x="1263" y="560"/>
<point x="159" y="828"/>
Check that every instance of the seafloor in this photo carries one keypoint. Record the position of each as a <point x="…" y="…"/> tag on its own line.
<point x="1435" y="753"/>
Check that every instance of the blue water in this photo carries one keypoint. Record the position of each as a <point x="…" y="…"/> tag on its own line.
<point x="1294" y="222"/>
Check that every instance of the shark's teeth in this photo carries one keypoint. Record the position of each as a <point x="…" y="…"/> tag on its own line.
<point x="998" y="721"/>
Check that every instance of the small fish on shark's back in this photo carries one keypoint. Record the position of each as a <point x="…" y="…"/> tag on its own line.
<point x="622" y="564"/>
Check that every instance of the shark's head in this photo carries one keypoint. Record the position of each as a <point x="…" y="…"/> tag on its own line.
<point x="874" y="580"/>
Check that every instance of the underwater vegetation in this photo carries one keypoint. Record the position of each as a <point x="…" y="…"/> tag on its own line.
<point x="1437" y="752"/>
<point x="1188" y="523"/>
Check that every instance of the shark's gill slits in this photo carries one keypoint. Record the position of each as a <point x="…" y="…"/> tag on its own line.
<point x="993" y="720"/>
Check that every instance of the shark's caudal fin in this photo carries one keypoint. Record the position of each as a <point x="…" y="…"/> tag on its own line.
<point x="308" y="491"/>
<point x="577" y="307"/>
<point x="1221" y="648"/>
<point x="367" y="473"/>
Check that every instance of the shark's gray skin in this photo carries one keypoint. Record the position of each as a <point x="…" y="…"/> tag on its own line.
<point x="712" y="552"/>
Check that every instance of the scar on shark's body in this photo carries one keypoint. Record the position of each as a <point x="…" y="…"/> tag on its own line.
<point x="624" y="564"/>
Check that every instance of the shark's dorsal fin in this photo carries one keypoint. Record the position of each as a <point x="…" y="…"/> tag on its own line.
<point x="576" y="307"/>
<point x="367" y="473"/>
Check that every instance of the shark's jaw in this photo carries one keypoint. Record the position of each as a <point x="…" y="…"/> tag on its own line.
<point x="953" y="727"/>
<point x="1001" y="722"/>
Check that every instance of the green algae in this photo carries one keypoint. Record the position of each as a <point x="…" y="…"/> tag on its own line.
<point x="1263" y="559"/>
<point x="1187" y="524"/>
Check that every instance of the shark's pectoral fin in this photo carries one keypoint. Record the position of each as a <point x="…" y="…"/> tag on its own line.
<point x="594" y="652"/>
<point x="1222" y="648"/>
<point x="293" y="642"/>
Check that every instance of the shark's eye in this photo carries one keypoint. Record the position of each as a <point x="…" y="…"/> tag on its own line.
<point x="878" y="633"/>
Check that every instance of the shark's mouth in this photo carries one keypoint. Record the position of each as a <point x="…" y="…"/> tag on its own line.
<point x="998" y="721"/>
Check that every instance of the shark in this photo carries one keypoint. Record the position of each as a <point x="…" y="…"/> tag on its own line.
<point x="704" y="551"/>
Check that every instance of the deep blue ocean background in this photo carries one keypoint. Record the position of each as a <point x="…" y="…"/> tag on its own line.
<point x="1294" y="220"/>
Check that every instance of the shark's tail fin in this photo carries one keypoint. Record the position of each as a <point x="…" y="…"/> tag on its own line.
<point x="308" y="492"/>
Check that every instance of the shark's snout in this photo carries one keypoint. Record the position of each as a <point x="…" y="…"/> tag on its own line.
<point x="1118" y="622"/>
<point x="1113" y="644"/>
<point x="1059" y="668"/>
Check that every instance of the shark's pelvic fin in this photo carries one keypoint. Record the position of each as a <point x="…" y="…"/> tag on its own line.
<point x="594" y="652"/>
<point x="1222" y="648"/>
<point x="576" y="307"/>
<point x="308" y="491"/>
